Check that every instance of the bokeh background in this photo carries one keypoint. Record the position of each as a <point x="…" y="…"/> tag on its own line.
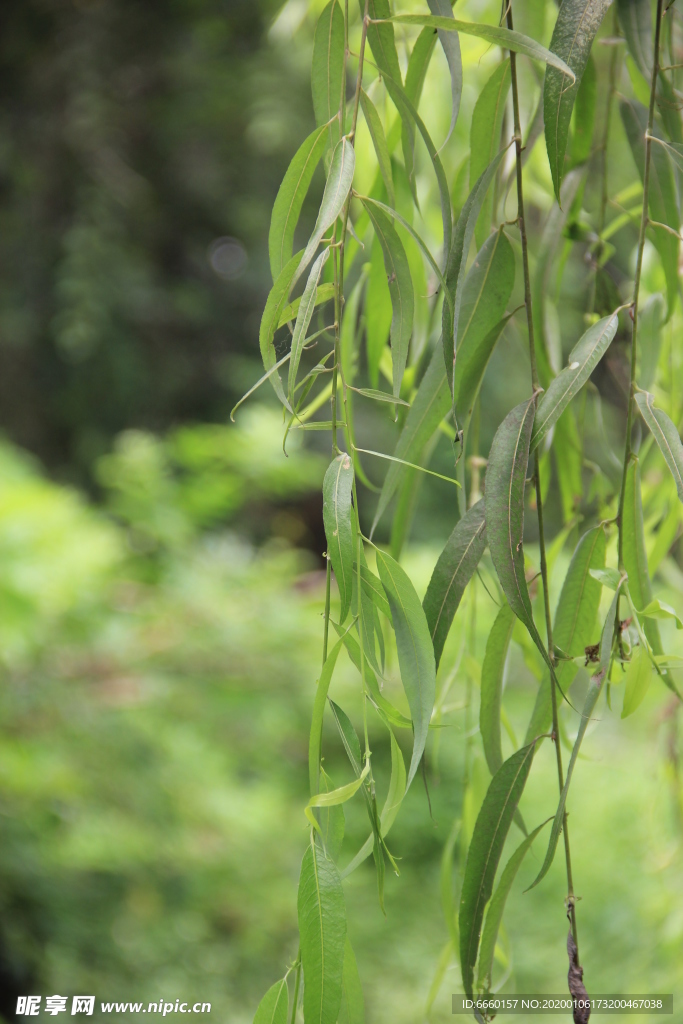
<point x="161" y="572"/>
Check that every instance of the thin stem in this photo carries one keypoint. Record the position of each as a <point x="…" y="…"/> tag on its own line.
<point x="537" y="474"/>
<point x="628" y="451"/>
<point x="326" y="632"/>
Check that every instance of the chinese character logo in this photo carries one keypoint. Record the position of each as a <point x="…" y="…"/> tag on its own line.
<point x="83" y="1004"/>
<point x="55" y="1004"/>
<point x="28" y="1006"/>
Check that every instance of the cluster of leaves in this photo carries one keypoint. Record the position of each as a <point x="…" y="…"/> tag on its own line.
<point x="438" y="376"/>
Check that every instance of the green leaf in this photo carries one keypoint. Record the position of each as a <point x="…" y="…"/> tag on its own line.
<point x="635" y="555"/>
<point x="400" y="289"/>
<point x="379" y="700"/>
<point x="303" y="319"/>
<point x="573" y="35"/>
<point x="666" y="435"/>
<point x="637" y="681"/>
<point x="332" y="823"/>
<point x="337" y="187"/>
<point x="290" y="197"/>
<point x="352" y="1007"/>
<point x="492" y="672"/>
<point x="583" y="359"/>
<point x="454" y="569"/>
<point x="411" y="231"/>
<point x="485" y="136"/>
<point x="660" y="610"/>
<point x="504" y="501"/>
<point x="488" y="287"/>
<point x="594" y="688"/>
<point x="574" y="624"/>
<point x="316" y="733"/>
<point x="275" y="304"/>
<point x="450" y="43"/>
<point x="324" y="293"/>
<point x="457" y="259"/>
<point x="607" y="577"/>
<point x="380" y="396"/>
<point x="378" y="311"/>
<point x="373" y="586"/>
<point x="415" y="76"/>
<point x="322" y="931"/>
<point x="663" y="203"/>
<point x="490" y="831"/>
<point x="502" y="37"/>
<point x="381" y="37"/>
<point x="635" y="19"/>
<point x="650" y="321"/>
<point x="335" y="797"/>
<point x="415" y="651"/>
<point x="274" y="1006"/>
<point x="337" y="487"/>
<point x="584" y="115"/>
<point x="328" y="68"/>
<point x="379" y="141"/>
<point x="494" y="914"/>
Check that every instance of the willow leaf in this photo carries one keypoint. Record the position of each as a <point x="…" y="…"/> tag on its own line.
<point x="411" y="231"/>
<point x="583" y="359"/>
<point x="504" y="502"/>
<point x="457" y="258"/>
<point x="290" y="197"/>
<point x="381" y="37"/>
<point x="337" y="487"/>
<point x="635" y="19"/>
<point x="400" y="289"/>
<point x="391" y="714"/>
<point x="418" y="63"/>
<point x="352" y="1007"/>
<point x="637" y="681"/>
<point x="316" y="733"/>
<point x="373" y="586"/>
<point x="450" y="43"/>
<point x="378" y="311"/>
<point x="485" y="132"/>
<point x="666" y="435"/>
<point x="492" y="673"/>
<point x="275" y="304"/>
<point x="324" y="293"/>
<point x="380" y="396"/>
<point x="379" y="141"/>
<point x="503" y="37"/>
<point x="584" y="115"/>
<point x="635" y="555"/>
<point x="415" y="651"/>
<point x="274" y="1006"/>
<point x="494" y="914"/>
<point x="453" y="571"/>
<point x="577" y="24"/>
<point x="575" y="621"/>
<point x="322" y="931"/>
<point x="490" y="832"/>
<point x="337" y="187"/>
<point x="650" y="322"/>
<point x="327" y="69"/>
<point x="303" y="319"/>
<point x="594" y="688"/>
<point x="663" y="202"/>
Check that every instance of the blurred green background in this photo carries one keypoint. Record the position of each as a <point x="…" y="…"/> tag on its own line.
<point x="161" y="573"/>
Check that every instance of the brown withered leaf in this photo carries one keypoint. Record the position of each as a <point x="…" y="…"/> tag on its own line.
<point x="577" y="988"/>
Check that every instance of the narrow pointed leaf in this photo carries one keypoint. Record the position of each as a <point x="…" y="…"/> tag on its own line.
<point x="379" y="141"/>
<point x="274" y="1006"/>
<point x="583" y="359"/>
<point x="411" y="231"/>
<point x="490" y="832"/>
<point x="584" y="115"/>
<point x="379" y="700"/>
<point x="494" y="914"/>
<point x="324" y="293"/>
<point x="650" y="322"/>
<point x="374" y="587"/>
<point x="594" y="688"/>
<point x="415" y="651"/>
<point x="337" y="487"/>
<point x="575" y="621"/>
<point x="275" y="304"/>
<point x="663" y="203"/>
<point x="416" y="72"/>
<point x="322" y="932"/>
<point x="504" y="502"/>
<point x="577" y="24"/>
<point x="352" y="1008"/>
<point x="290" y="197"/>
<point x="381" y="37"/>
<point x="380" y="396"/>
<point x="492" y="672"/>
<point x="303" y="319"/>
<point x="502" y="37"/>
<point x="485" y="135"/>
<point x="635" y="555"/>
<point x="450" y="43"/>
<point x="337" y="186"/>
<point x="453" y="571"/>
<point x="378" y="311"/>
<point x="666" y="435"/>
<point x="400" y="289"/>
<point x="316" y="733"/>
<point x="328" y="68"/>
<point x="457" y="259"/>
<point x="334" y="797"/>
<point x="637" y="682"/>
<point x="635" y="19"/>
